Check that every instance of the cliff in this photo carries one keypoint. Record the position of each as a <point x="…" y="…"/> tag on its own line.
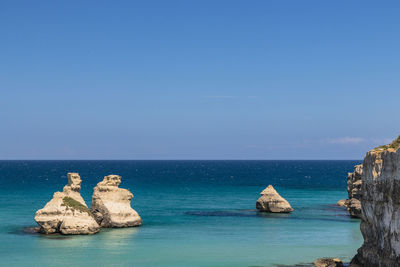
<point x="380" y="203"/>
<point x="66" y="212"/>
<point x="111" y="205"/>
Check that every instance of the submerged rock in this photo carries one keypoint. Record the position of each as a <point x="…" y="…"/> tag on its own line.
<point x="111" y="205"/>
<point x="271" y="201"/>
<point x="380" y="202"/>
<point x="66" y="212"/>
<point x="328" y="262"/>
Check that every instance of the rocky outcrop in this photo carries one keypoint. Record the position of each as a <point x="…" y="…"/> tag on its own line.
<point x="111" y="205"/>
<point x="354" y="182"/>
<point x="380" y="202"/>
<point x="342" y="203"/>
<point x="354" y="191"/>
<point x="66" y="212"/>
<point x="354" y="208"/>
<point x="271" y="201"/>
<point x="328" y="262"/>
<point x="353" y="203"/>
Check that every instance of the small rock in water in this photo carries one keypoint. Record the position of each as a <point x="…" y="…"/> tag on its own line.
<point x="328" y="262"/>
<point x="271" y="201"/>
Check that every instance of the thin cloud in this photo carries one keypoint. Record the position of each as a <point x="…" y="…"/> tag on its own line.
<point x="220" y="96"/>
<point x="345" y="140"/>
<point x="230" y="96"/>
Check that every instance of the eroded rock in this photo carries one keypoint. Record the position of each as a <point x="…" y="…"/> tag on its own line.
<point x="354" y="182"/>
<point x="328" y="262"/>
<point x="354" y="208"/>
<point x="353" y="203"/>
<point x="111" y="205"/>
<point x="354" y="191"/>
<point x="380" y="202"/>
<point x="342" y="203"/>
<point x="66" y="212"/>
<point x="271" y="201"/>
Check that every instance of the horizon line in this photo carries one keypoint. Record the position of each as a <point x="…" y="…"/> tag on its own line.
<point x="181" y="159"/>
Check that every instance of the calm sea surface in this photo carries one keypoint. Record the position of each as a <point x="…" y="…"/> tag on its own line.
<point x="195" y="213"/>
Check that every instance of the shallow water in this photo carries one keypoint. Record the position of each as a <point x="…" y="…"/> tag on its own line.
<point x="195" y="213"/>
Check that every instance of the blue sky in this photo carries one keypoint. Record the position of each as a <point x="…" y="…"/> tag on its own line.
<point x="198" y="79"/>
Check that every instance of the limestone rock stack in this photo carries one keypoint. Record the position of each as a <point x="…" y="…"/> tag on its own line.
<point x="380" y="202"/>
<point x="111" y="205"/>
<point x="66" y="212"/>
<point x="271" y="201"/>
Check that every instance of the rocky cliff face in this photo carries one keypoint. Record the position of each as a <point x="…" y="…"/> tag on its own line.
<point x="271" y="201"/>
<point x="380" y="225"/>
<point x="354" y="182"/>
<point x="111" y="205"/>
<point x="354" y="191"/>
<point x="353" y="203"/>
<point x="66" y="212"/>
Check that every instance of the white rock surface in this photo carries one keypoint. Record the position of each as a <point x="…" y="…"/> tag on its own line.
<point x="111" y="205"/>
<point x="271" y="201"/>
<point x="66" y="212"/>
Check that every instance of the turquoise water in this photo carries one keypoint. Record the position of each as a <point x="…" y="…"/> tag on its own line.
<point x="195" y="213"/>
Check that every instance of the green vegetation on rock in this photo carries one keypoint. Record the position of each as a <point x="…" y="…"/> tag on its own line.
<point x="395" y="145"/>
<point x="73" y="204"/>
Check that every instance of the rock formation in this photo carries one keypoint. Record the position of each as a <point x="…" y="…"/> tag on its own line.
<point x="328" y="262"/>
<point x="66" y="212"/>
<point x="271" y="201"/>
<point x="354" y="182"/>
<point x="354" y="191"/>
<point x="354" y="208"/>
<point x="353" y="203"/>
<point x="111" y="206"/>
<point x="342" y="203"/>
<point x="380" y="202"/>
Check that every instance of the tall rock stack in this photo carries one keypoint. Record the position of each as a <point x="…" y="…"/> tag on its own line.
<point x="380" y="202"/>
<point x="66" y="212"/>
<point x="111" y="205"/>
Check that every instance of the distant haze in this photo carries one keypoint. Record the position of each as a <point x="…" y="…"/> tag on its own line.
<point x="198" y="79"/>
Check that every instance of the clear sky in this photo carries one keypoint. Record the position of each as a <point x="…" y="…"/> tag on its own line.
<point x="198" y="79"/>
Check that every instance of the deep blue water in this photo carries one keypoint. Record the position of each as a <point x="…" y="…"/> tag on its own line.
<point x="195" y="213"/>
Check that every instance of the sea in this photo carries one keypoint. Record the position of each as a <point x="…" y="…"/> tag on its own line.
<point x="195" y="213"/>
